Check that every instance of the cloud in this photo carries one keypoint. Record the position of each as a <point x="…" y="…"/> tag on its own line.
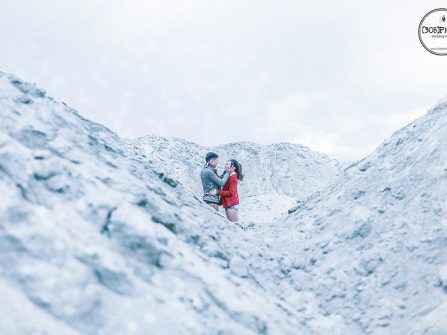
<point x="338" y="77"/>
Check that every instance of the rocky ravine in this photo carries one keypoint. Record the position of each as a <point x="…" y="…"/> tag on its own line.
<point x="95" y="238"/>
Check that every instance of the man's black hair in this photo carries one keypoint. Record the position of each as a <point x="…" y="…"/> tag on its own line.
<point x="211" y="155"/>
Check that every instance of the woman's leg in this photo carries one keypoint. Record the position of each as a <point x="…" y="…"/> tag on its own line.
<point x="232" y="215"/>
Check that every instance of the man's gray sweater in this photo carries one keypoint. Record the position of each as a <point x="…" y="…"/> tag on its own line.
<point x="212" y="181"/>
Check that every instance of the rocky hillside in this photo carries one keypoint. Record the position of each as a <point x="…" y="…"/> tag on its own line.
<point x="276" y="176"/>
<point x="94" y="239"/>
<point x="100" y="235"/>
<point x="372" y="249"/>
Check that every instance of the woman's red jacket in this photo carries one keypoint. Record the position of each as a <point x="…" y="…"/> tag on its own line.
<point x="229" y="193"/>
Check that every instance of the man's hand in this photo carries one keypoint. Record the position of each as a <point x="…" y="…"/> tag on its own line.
<point x="212" y="192"/>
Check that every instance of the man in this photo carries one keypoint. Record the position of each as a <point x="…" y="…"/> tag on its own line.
<point x="211" y="180"/>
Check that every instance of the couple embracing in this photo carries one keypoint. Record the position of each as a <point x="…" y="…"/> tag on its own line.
<point x="222" y="189"/>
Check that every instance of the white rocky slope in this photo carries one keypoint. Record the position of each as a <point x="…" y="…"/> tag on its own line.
<point x="276" y="176"/>
<point x="372" y="249"/>
<point x="96" y="239"/>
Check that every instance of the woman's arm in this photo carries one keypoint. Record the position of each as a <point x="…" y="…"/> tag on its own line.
<point x="232" y="188"/>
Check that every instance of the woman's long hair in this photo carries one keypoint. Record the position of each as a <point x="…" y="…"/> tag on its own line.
<point x="238" y="169"/>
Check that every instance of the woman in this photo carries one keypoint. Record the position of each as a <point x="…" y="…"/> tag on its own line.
<point x="229" y="195"/>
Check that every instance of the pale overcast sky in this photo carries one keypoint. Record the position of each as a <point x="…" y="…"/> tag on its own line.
<point x="336" y="76"/>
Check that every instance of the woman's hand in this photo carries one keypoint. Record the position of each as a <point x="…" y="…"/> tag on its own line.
<point x="212" y="192"/>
